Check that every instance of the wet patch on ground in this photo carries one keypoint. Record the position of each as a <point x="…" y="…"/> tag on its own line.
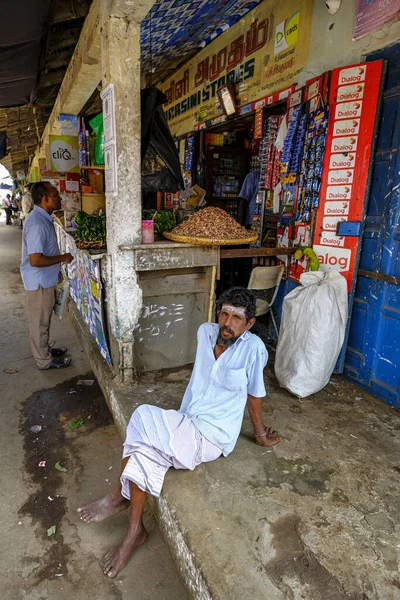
<point x="305" y="477"/>
<point x="53" y="409"/>
<point x="296" y="567"/>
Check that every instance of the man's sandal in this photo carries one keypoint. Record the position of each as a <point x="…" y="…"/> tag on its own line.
<point x="59" y="363"/>
<point x="57" y="352"/>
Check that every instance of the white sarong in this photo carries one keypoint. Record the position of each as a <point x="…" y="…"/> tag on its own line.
<point x="157" y="439"/>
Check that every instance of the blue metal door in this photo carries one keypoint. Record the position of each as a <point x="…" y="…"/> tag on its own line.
<point x="373" y="351"/>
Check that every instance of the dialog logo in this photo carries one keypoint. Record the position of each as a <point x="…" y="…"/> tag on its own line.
<point x="338" y="192"/>
<point x="344" y="144"/>
<point x="336" y="208"/>
<point x="330" y="239"/>
<point x="342" y="176"/>
<point x="333" y="259"/>
<point x="313" y="90"/>
<point x="330" y="223"/>
<point x="287" y="33"/>
<point x="352" y="75"/>
<point x="347" y="110"/>
<point x="348" y="127"/>
<point x="342" y="161"/>
<point x="350" y="92"/>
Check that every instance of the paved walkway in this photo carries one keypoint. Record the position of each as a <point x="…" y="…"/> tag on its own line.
<point x="33" y="499"/>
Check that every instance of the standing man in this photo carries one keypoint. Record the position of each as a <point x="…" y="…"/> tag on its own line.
<point x="40" y="270"/>
<point x="227" y="375"/>
<point x="27" y="202"/>
<point x="247" y="198"/>
<point x="7" y="209"/>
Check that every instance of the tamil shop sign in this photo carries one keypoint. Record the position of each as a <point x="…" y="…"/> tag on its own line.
<point x="262" y="53"/>
<point x="353" y="103"/>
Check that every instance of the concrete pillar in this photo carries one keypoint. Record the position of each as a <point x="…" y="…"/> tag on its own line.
<point x="121" y="66"/>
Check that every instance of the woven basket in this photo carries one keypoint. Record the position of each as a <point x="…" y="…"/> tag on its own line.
<point x="185" y="239"/>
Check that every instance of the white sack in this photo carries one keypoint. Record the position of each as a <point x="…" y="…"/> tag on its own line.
<point x="313" y="324"/>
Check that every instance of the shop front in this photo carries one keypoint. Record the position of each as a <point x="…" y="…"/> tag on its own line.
<point x="289" y="161"/>
<point x="308" y="151"/>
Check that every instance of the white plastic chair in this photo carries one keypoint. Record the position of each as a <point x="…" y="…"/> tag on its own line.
<point x="266" y="278"/>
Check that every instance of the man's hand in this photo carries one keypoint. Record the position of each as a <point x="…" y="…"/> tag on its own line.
<point x="67" y="258"/>
<point x="264" y="436"/>
<point x="268" y="439"/>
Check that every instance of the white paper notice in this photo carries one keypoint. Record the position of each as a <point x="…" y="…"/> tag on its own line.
<point x="107" y="96"/>
<point x="110" y="168"/>
<point x="72" y="186"/>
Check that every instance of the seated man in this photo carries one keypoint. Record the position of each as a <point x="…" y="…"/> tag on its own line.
<point x="228" y="372"/>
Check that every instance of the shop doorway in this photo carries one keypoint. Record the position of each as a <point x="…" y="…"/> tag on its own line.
<point x="373" y="352"/>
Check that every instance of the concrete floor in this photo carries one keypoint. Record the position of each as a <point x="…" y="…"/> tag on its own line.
<point x="315" y="518"/>
<point x="32" y="499"/>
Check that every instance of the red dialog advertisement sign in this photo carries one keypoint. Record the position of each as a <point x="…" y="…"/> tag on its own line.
<point x="353" y="103"/>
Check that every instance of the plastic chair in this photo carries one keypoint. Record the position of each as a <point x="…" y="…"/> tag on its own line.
<point x="266" y="278"/>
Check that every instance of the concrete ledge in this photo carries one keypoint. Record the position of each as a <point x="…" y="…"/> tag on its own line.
<point x="315" y="517"/>
<point x="119" y="403"/>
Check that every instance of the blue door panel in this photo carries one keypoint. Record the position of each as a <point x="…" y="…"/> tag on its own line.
<point x="382" y="177"/>
<point x="373" y="352"/>
<point x="387" y="124"/>
<point x="387" y="350"/>
<point x="394" y="79"/>
<point x="385" y="392"/>
<point x="353" y="365"/>
<point x="370" y="256"/>
<point x="356" y="336"/>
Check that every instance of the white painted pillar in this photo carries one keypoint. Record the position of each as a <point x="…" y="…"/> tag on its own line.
<point x="121" y="66"/>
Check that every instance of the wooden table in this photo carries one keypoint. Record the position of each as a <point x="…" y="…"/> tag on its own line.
<point x="254" y="252"/>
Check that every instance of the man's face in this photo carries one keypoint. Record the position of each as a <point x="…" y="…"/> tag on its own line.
<point x="232" y="323"/>
<point x="53" y="200"/>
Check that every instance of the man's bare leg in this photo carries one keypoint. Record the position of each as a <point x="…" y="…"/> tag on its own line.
<point x="110" y="504"/>
<point x="116" y="558"/>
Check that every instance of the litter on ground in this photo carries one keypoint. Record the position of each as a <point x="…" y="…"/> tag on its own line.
<point x="51" y="531"/>
<point x="60" y="468"/>
<point x="76" y="423"/>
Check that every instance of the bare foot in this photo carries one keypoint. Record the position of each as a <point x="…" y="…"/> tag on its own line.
<point x="271" y="439"/>
<point x="98" y="510"/>
<point x="116" y="558"/>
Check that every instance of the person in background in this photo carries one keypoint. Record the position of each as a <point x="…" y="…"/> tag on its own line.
<point x="7" y="209"/>
<point x="40" y="271"/>
<point x="247" y="198"/>
<point x="27" y="202"/>
<point x="14" y="204"/>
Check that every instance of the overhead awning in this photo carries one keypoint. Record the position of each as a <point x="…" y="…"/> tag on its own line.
<point x="24" y="24"/>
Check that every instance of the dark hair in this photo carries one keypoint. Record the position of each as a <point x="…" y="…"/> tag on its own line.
<point x="240" y="298"/>
<point x="40" y="189"/>
<point x="29" y="186"/>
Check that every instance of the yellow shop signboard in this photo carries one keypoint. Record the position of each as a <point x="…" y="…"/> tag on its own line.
<point x="261" y="54"/>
